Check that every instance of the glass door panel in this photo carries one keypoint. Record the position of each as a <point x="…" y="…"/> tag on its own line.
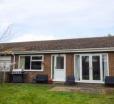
<point x="85" y="67"/>
<point x="96" y="67"/>
<point x="59" y="62"/>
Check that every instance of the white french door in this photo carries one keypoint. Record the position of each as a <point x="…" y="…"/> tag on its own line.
<point x="91" y="68"/>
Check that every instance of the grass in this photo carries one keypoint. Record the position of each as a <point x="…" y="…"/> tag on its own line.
<point x="40" y="94"/>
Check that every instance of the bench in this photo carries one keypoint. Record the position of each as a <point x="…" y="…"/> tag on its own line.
<point x="41" y="79"/>
<point x="109" y="80"/>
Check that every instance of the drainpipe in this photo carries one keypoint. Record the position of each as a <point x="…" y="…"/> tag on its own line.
<point x="13" y="61"/>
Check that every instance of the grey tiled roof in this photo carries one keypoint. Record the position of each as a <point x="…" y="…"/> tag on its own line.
<point x="80" y="43"/>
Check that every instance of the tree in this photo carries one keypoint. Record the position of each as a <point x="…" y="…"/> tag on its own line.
<point x="109" y="35"/>
<point x="5" y="35"/>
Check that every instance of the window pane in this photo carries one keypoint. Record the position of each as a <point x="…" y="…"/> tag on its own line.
<point x="22" y="62"/>
<point x="96" y="67"/>
<point x="53" y="67"/>
<point x="27" y="62"/>
<point x="77" y="63"/>
<point x="105" y="66"/>
<point x="85" y="67"/>
<point x="36" y="57"/>
<point x="60" y="62"/>
<point x="36" y="65"/>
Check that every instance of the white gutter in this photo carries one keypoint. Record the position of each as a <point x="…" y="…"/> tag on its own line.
<point x="67" y="50"/>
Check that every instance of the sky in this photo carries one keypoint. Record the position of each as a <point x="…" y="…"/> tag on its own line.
<point x="31" y="20"/>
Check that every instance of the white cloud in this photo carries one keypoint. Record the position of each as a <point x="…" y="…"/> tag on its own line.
<point x="31" y="37"/>
<point x="19" y="11"/>
<point x="58" y="16"/>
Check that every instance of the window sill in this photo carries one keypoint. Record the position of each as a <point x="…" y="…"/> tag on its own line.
<point x="35" y="70"/>
<point x="5" y="70"/>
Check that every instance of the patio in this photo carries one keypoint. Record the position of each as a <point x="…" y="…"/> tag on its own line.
<point x="84" y="88"/>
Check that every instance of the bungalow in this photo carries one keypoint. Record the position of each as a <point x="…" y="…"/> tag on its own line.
<point x="89" y="60"/>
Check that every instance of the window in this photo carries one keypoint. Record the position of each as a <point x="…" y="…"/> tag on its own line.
<point x="60" y="62"/>
<point x="31" y="62"/>
<point x="77" y="65"/>
<point x="105" y="65"/>
<point x="27" y="62"/>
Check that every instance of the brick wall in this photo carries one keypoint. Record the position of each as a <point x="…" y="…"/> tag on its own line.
<point x="111" y="64"/>
<point x="69" y="64"/>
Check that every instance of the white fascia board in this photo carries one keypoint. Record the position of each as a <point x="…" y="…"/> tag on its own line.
<point x="67" y="50"/>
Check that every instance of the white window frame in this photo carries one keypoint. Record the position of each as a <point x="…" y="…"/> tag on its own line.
<point x="42" y="65"/>
<point x="101" y="66"/>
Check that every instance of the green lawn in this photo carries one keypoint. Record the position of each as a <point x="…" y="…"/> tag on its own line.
<point x="40" y="94"/>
